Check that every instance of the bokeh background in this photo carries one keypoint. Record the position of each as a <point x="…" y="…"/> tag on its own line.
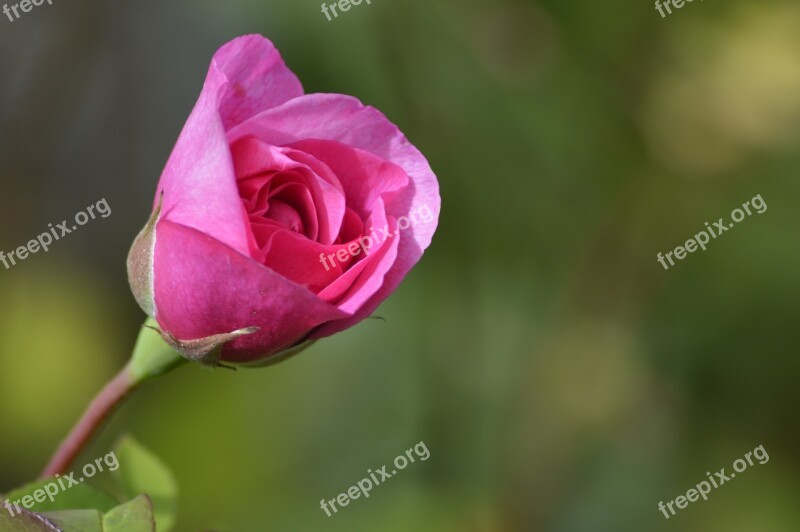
<point x="561" y="378"/>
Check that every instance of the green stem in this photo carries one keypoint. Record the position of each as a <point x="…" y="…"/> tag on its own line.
<point x="151" y="357"/>
<point x="91" y="422"/>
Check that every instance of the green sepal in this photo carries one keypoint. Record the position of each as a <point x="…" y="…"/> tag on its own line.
<point x="140" y="263"/>
<point x="152" y="355"/>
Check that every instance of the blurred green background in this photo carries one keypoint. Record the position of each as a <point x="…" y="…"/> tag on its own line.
<point x="562" y="380"/>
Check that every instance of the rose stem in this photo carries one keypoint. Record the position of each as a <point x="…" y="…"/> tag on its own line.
<point x="91" y="422"/>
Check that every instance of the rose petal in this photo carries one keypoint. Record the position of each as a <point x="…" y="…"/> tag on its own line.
<point x="203" y="287"/>
<point x="344" y="119"/>
<point x="299" y="259"/>
<point x="198" y="182"/>
<point x="246" y="76"/>
<point x="257" y="78"/>
<point x="253" y="156"/>
<point x="364" y="176"/>
<point x="364" y="279"/>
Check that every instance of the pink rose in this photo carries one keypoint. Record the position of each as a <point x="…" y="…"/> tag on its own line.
<point x="283" y="216"/>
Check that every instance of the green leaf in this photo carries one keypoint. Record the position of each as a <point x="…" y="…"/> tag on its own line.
<point x="25" y="522"/>
<point x="141" y="472"/>
<point x="133" y="516"/>
<point x="77" y="520"/>
<point x="79" y="497"/>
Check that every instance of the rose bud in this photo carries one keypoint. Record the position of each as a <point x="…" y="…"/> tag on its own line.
<point x="280" y="217"/>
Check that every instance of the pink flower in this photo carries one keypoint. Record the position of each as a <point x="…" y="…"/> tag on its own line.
<point x="266" y="203"/>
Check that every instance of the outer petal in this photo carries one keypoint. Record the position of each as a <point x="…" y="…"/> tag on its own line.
<point x="246" y="76"/>
<point x="257" y="78"/>
<point x="346" y="120"/>
<point x="203" y="287"/>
